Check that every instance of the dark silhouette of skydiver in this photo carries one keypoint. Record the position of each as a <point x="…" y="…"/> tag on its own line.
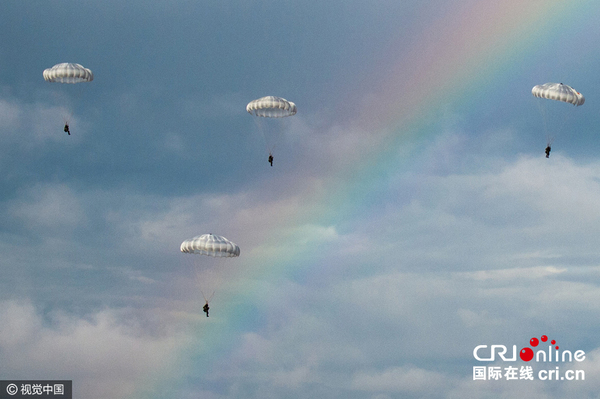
<point x="548" y="151"/>
<point x="67" y="129"/>
<point x="205" y="308"/>
<point x="271" y="159"/>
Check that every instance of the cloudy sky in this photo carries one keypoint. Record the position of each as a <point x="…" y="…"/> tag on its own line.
<point x="410" y="214"/>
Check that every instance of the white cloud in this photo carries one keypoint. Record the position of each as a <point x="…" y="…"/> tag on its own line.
<point x="102" y="354"/>
<point x="524" y="214"/>
<point x="10" y="115"/>
<point x="49" y="207"/>
<point x="401" y="379"/>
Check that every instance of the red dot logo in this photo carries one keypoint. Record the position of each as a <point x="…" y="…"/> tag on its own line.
<point x="526" y="354"/>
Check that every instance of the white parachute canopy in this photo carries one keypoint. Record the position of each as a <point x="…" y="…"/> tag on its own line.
<point x="68" y="73"/>
<point x="210" y="245"/>
<point x="558" y="92"/>
<point x="271" y="107"/>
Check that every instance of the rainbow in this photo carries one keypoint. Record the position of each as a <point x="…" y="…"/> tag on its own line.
<point x="449" y="59"/>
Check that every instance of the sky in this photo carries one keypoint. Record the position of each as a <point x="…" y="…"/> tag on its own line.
<point x="410" y="214"/>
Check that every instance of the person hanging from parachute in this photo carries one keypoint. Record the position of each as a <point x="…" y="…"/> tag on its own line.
<point x="212" y="246"/>
<point x="271" y="107"/>
<point x="68" y="73"/>
<point x="556" y="92"/>
<point x="205" y="308"/>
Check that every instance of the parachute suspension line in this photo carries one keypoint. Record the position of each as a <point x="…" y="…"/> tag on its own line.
<point x="216" y="277"/>
<point x="544" y="112"/>
<point x="207" y="300"/>
<point x="548" y="130"/>
<point x="271" y="132"/>
<point x="277" y="135"/>
<point x="261" y="128"/>
<point x="198" y="279"/>
<point x="196" y="273"/>
<point x="209" y="278"/>
<point x="68" y="116"/>
<point x="77" y="92"/>
<point x="203" y="275"/>
<point x="558" y="124"/>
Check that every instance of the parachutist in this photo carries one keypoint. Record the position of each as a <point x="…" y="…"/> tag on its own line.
<point x="209" y="246"/>
<point x="271" y="107"/>
<point x="555" y="92"/>
<point x="68" y="73"/>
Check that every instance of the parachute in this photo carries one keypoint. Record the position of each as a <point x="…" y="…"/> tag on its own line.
<point x="209" y="267"/>
<point x="68" y="73"/>
<point x="558" y="92"/>
<point x="556" y="112"/>
<point x="271" y="107"/>
<point x="210" y="245"/>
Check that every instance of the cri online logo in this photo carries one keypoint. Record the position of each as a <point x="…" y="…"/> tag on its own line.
<point x="526" y="354"/>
